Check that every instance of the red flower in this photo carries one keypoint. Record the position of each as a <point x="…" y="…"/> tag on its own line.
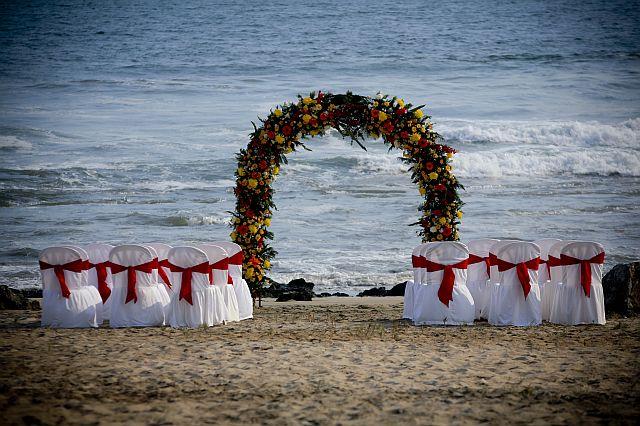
<point x="404" y="134"/>
<point x="375" y="113"/>
<point x="401" y="111"/>
<point x="255" y="175"/>
<point x="436" y="212"/>
<point x="391" y="138"/>
<point x="424" y="142"/>
<point x="249" y="214"/>
<point x="320" y="96"/>
<point x="324" y="116"/>
<point x="440" y="187"/>
<point x="446" y="231"/>
<point x="388" y="126"/>
<point x="263" y="165"/>
<point x="429" y="165"/>
<point x="271" y="134"/>
<point x="313" y="122"/>
<point x="287" y="130"/>
<point x="243" y="229"/>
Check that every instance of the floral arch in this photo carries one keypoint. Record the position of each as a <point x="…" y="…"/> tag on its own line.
<point x="401" y="126"/>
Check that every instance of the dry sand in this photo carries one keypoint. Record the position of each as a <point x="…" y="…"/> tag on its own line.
<point x="331" y="361"/>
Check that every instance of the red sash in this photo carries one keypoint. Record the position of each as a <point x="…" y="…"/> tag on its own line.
<point x="473" y="259"/>
<point x="522" y="269"/>
<point x="132" y="293"/>
<point x="101" y="272"/>
<point x="585" y="269"/>
<point x="445" y="292"/>
<point x="75" y="266"/>
<point x="236" y="259"/>
<point x="221" y="265"/>
<point x="164" y="264"/>
<point x="418" y="262"/>
<point x="187" y="273"/>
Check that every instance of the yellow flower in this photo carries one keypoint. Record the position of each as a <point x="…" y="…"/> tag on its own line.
<point x="400" y="103"/>
<point x="382" y="116"/>
<point x="433" y="176"/>
<point x="459" y="214"/>
<point x="277" y="112"/>
<point x="306" y="118"/>
<point x="240" y="171"/>
<point x="439" y="236"/>
<point x="449" y="154"/>
<point x="267" y="222"/>
<point x="314" y="132"/>
<point x="267" y="264"/>
<point x="442" y="220"/>
<point x="253" y="229"/>
<point x="233" y="236"/>
<point x="448" y="168"/>
<point x="249" y="273"/>
<point x="374" y="135"/>
<point x="387" y="104"/>
<point x="276" y="170"/>
<point x="288" y="150"/>
<point x="279" y="138"/>
<point x="415" y="137"/>
<point x="422" y="191"/>
<point x="418" y="113"/>
<point x="252" y="183"/>
<point x="375" y="103"/>
<point x="307" y="101"/>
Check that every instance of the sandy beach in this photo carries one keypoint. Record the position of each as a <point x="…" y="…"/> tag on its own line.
<point x="330" y="361"/>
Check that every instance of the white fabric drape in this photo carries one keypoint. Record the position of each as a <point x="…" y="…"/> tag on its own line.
<point x="478" y="277"/>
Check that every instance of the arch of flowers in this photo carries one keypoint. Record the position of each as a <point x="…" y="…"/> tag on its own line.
<point x="288" y="126"/>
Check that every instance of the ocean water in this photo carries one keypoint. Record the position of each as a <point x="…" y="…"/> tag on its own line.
<point x="119" y="122"/>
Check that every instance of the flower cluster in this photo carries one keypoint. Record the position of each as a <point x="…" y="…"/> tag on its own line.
<point x="400" y="124"/>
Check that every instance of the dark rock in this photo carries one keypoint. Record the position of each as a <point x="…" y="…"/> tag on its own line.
<point x="376" y="292"/>
<point x="292" y="295"/>
<point x="338" y="294"/>
<point x="298" y="289"/>
<point x="622" y="289"/>
<point x="323" y="295"/>
<point x="32" y="293"/>
<point x="397" y="290"/>
<point x="14" y="299"/>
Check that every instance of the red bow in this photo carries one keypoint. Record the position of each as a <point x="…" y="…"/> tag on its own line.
<point x="585" y="269"/>
<point x="101" y="272"/>
<point x="164" y="264"/>
<point x="473" y="259"/>
<point x="148" y="268"/>
<point x="221" y="265"/>
<point x="187" y="274"/>
<point x="236" y="259"/>
<point x="418" y="261"/>
<point x="522" y="269"/>
<point x="445" y="292"/>
<point x="76" y="266"/>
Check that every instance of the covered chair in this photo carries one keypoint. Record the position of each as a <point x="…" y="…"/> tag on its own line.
<point x="99" y="273"/>
<point x="240" y="286"/>
<point x="195" y="301"/>
<point x="219" y="264"/>
<point x="545" y="245"/>
<point x="478" y="273"/>
<point x="516" y="300"/>
<point x="494" y="274"/>
<point x="162" y="250"/>
<point x="417" y="263"/>
<point x="138" y="299"/>
<point x="579" y="297"/>
<point x="555" y="271"/>
<point x="68" y="301"/>
<point x="442" y="297"/>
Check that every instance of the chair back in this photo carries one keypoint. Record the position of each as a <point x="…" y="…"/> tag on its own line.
<point x="446" y="253"/>
<point x="518" y="265"/>
<point x="99" y="259"/>
<point x="494" y="274"/>
<point x="218" y="261"/>
<point x="479" y="266"/>
<point x="234" y="251"/>
<point x="553" y="262"/>
<point x="132" y="255"/>
<point x="582" y="262"/>
<point x="417" y="261"/>
<point x="62" y="269"/>
<point x="545" y="245"/>
<point x="186" y="257"/>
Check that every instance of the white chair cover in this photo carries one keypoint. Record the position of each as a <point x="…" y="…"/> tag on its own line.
<point x="207" y="305"/>
<point x="218" y="261"/>
<point x="494" y="274"/>
<point x="240" y="286"/>
<point x="99" y="257"/>
<point x="152" y="299"/>
<point x="428" y="308"/>
<point x="418" y="271"/>
<point x="545" y="245"/>
<point x="162" y="250"/>
<point x="83" y="306"/>
<point x="573" y="303"/>
<point x="509" y="304"/>
<point x="555" y="278"/>
<point x="478" y="274"/>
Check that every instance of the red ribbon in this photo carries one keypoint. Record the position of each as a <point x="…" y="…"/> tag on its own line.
<point x="222" y="265"/>
<point x="585" y="269"/>
<point x="101" y="272"/>
<point x="445" y="292"/>
<point x="76" y="266"/>
<point x="473" y="259"/>
<point x="418" y="261"/>
<point x="522" y="269"/>
<point x="187" y="274"/>
<point x="236" y="259"/>
<point x="148" y="267"/>
<point x="164" y="264"/>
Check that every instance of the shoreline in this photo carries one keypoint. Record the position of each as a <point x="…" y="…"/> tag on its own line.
<point x="328" y="361"/>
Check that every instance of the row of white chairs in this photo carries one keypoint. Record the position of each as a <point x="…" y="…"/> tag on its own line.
<point x="507" y="282"/>
<point x="143" y="285"/>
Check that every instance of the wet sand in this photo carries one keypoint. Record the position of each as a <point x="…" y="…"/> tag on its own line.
<point x="330" y="361"/>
